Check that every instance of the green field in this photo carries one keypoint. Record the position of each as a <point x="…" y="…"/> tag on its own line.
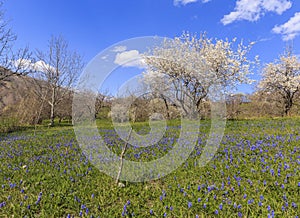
<point x="254" y="174"/>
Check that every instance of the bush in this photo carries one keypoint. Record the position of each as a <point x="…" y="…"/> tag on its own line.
<point x="8" y="124"/>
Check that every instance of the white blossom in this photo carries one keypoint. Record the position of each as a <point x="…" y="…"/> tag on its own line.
<point x="282" y="76"/>
<point x="191" y="65"/>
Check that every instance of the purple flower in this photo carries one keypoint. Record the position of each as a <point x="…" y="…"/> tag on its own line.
<point x="2" y="204"/>
<point x="151" y="212"/>
<point x="189" y="204"/>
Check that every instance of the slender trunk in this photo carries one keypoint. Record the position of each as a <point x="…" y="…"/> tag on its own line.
<point x="52" y="112"/>
<point x="167" y="107"/>
<point x="122" y="156"/>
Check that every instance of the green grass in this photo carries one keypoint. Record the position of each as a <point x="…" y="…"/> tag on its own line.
<point x="47" y="175"/>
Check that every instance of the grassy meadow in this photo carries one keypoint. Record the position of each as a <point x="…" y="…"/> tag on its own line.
<point x="255" y="173"/>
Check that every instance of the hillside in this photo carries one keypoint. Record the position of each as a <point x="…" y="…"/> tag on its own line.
<point x="12" y="91"/>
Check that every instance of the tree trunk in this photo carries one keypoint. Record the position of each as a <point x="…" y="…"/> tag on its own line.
<point x="52" y="104"/>
<point x="167" y="107"/>
<point x="288" y="105"/>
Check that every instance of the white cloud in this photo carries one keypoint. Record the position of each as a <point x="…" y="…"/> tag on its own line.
<point x="130" y="58"/>
<point x="43" y="67"/>
<point x="185" y="2"/>
<point x="252" y="10"/>
<point x="290" y="29"/>
<point x="119" y="48"/>
<point x="26" y="64"/>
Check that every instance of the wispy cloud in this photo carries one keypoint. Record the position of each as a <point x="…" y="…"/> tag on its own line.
<point x="290" y="29"/>
<point x="119" y="48"/>
<point x="185" y="2"/>
<point x="264" y="39"/>
<point x="253" y="10"/>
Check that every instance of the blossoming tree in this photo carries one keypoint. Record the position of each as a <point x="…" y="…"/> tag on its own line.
<point x="283" y="77"/>
<point x="193" y="65"/>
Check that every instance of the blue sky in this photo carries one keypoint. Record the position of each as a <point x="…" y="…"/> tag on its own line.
<point x="92" y="25"/>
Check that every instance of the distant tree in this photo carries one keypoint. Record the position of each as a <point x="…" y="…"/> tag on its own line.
<point x="283" y="77"/>
<point x="57" y="68"/>
<point x="264" y="104"/>
<point x="102" y="100"/>
<point x="12" y="63"/>
<point x="193" y="65"/>
<point x="233" y="104"/>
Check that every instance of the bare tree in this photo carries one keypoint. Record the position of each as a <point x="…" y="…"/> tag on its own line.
<point x="56" y="72"/>
<point x="234" y="103"/>
<point x="102" y="100"/>
<point x="283" y="77"/>
<point x="12" y="63"/>
<point x="264" y="104"/>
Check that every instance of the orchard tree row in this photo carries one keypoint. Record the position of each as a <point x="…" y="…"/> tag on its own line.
<point x="181" y="76"/>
